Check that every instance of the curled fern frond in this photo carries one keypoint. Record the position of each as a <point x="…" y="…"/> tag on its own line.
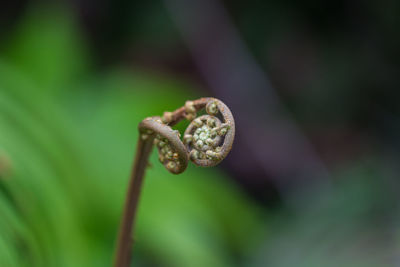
<point x="206" y="141"/>
<point x="171" y="151"/>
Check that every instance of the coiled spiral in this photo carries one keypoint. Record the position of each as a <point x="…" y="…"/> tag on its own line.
<point x="206" y="142"/>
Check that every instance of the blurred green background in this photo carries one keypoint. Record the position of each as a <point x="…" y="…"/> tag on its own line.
<point x="313" y="176"/>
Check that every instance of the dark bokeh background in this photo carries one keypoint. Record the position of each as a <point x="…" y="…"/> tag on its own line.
<point x="311" y="181"/>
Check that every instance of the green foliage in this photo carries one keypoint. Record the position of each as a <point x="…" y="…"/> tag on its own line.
<point x="48" y="48"/>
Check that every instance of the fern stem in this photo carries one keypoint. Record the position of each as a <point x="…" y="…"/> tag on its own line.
<point x="125" y="240"/>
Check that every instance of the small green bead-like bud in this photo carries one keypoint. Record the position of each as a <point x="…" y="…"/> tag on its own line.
<point x="190" y="116"/>
<point x="169" y="155"/>
<point x="213" y="155"/>
<point x="171" y="165"/>
<point x="223" y="129"/>
<point x="199" y="143"/>
<point x="189" y="107"/>
<point x="211" y="122"/>
<point x="210" y="154"/>
<point x="202" y="155"/>
<point x="167" y="117"/>
<point x="161" y="143"/>
<point x="212" y="108"/>
<point x="197" y="122"/>
<point x="209" y="141"/>
<point x="194" y="154"/>
<point x="164" y="150"/>
<point x="203" y="136"/>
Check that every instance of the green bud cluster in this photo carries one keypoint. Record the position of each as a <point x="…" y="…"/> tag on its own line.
<point x="212" y="108"/>
<point x="166" y="154"/>
<point x="206" y="137"/>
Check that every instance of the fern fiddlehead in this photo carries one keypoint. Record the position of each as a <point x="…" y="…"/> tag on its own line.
<point x="206" y="142"/>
